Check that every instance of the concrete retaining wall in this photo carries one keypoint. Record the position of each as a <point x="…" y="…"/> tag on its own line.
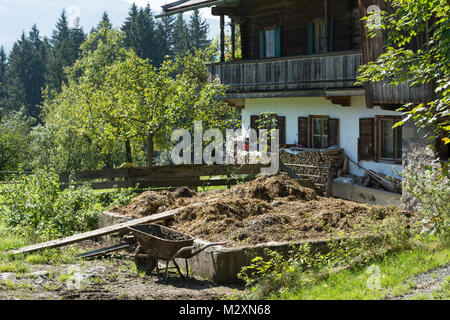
<point x="222" y="265"/>
<point x="218" y="264"/>
<point x="365" y="195"/>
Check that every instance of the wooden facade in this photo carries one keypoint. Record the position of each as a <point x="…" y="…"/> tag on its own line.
<point x="313" y="73"/>
<point x="319" y="46"/>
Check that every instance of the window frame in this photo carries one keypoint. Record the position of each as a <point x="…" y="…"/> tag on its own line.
<point x="272" y="44"/>
<point x="379" y="140"/>
<point x="324" y="119"/>
<point x="319" y="36"/>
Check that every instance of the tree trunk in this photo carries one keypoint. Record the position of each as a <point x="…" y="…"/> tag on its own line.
<point x="150" y="146"/>
<point x="128" y="151"/>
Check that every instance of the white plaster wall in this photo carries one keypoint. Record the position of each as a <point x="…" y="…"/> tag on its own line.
<point x="292" y="108"/>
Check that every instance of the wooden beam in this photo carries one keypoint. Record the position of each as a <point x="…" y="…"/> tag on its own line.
<point x="219" y="11"/>
<point x="327" y="24"/>
<point x="222" y="38"/>
<point x="345" y="101"/>
<point x="103" y="231"/>
<point x="233" y="41"/>
<point x="365" y="51"/>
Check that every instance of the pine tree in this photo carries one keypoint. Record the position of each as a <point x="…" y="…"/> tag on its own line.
<point x="65" y="51"/>
<point x="129" y="26"/>
<point x="164" y="38"/>
<point x="3" y="65"/>
<point x="139" y="28"/>
<point x="180" y="36"/>
<point x="25" y="74"/>
<point x="105" y="22"/>
<point x="198" y="32"/>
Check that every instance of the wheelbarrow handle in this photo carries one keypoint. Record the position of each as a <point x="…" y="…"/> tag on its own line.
<point x="182" y="250"/>
<point x="179" y="252"/>
<point x="207" y="246"/>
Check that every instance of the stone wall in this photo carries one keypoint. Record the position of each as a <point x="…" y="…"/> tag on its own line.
<point x="416" y="155"/>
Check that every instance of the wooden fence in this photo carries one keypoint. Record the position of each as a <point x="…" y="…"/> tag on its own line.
<point x="163" y="176"/>
<point x="5" y="174"/>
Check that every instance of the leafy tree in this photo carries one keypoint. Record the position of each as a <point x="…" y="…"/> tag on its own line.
<point x="427" y="64"/>
<point x="121" y="97"/>
<point x="98" y="52"/>
<point x="14" y="139"/>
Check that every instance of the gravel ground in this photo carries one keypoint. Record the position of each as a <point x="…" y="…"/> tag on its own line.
<point x="427" y="283"/>
<point x="107" y="279"/>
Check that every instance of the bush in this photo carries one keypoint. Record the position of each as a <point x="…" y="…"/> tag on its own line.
<point x="431" y="189"/>
<point x="301" y="267"/>
<point x="14" y="140"/>
<point x="35" y="207"/>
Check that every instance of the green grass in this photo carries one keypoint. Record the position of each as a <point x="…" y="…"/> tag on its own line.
<point x="396" y="272"/>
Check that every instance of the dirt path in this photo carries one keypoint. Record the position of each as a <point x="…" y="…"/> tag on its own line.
<point x="427" y="283"/>
<point x="108" y="279"/>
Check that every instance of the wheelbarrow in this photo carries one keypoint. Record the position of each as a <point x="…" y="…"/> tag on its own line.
<point x="156" y="242"/>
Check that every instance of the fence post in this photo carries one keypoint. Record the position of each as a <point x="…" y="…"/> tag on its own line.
<point x="329" y="187"/>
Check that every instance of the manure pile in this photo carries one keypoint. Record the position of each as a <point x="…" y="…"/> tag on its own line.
<point x="274" y="208"/>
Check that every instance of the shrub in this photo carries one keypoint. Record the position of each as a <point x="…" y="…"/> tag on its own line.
<point x="431" y="189"/>
<point x="35" y="207"/>
<point x="301" y="267"/>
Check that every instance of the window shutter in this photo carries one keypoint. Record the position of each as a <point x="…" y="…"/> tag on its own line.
<point x="333" y="132"/>
<point x="278" y="42"/>
<point x="302" y="131"/>
<point x="282" y="127"/>
<point x="310" y="38"/>
<point x="366" y="141"/>
<point x="262" y="47"/>
<point x="253" y="122"/>
<point x="331" y="46"/>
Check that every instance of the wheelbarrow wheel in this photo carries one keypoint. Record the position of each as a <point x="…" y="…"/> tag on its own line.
<point x="144" y="262"/>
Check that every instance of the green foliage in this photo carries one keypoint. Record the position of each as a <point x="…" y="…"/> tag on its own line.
<point x="114" y="96"/>
<point x="35" y="207"/>
<point x="65" y="42"/>
<point x="140" y="32"/>
<point x="14" y="139"/>
<point x="198" y="32"/>
<point x="24" y="77"/>
<point x="432" y="194"/>
<point x="302" y="266"/>
<point x="427" y="64"/>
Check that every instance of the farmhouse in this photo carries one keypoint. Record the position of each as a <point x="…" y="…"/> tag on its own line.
<point x="299" y="62"/>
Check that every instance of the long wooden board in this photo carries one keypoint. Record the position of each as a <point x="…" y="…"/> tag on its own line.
<point x="102" y="232"/>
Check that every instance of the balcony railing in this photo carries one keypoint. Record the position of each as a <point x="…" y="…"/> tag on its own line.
<point x="313" y="72"/>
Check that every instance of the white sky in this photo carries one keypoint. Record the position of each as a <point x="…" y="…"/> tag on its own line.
<point x="156" y="5"/>
<point x="19" y="15"/>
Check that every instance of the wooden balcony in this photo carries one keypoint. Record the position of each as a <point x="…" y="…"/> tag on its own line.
<point x="308" y="75"/>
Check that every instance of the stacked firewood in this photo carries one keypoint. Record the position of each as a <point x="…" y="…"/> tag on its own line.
<point x="314" y="157"/>
<point x="313" y="164"/>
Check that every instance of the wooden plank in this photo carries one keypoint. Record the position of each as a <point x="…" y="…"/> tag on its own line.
<point x="102" y="232"/>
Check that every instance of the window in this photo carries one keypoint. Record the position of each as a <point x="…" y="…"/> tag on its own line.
<point x="255" y="123"/>
<point x="389" y="139"/>
<point x="320" y="36"/>
<point x="319" y="133"/>
<point x="270" y="43"/>
<point x="379" y="140"/>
